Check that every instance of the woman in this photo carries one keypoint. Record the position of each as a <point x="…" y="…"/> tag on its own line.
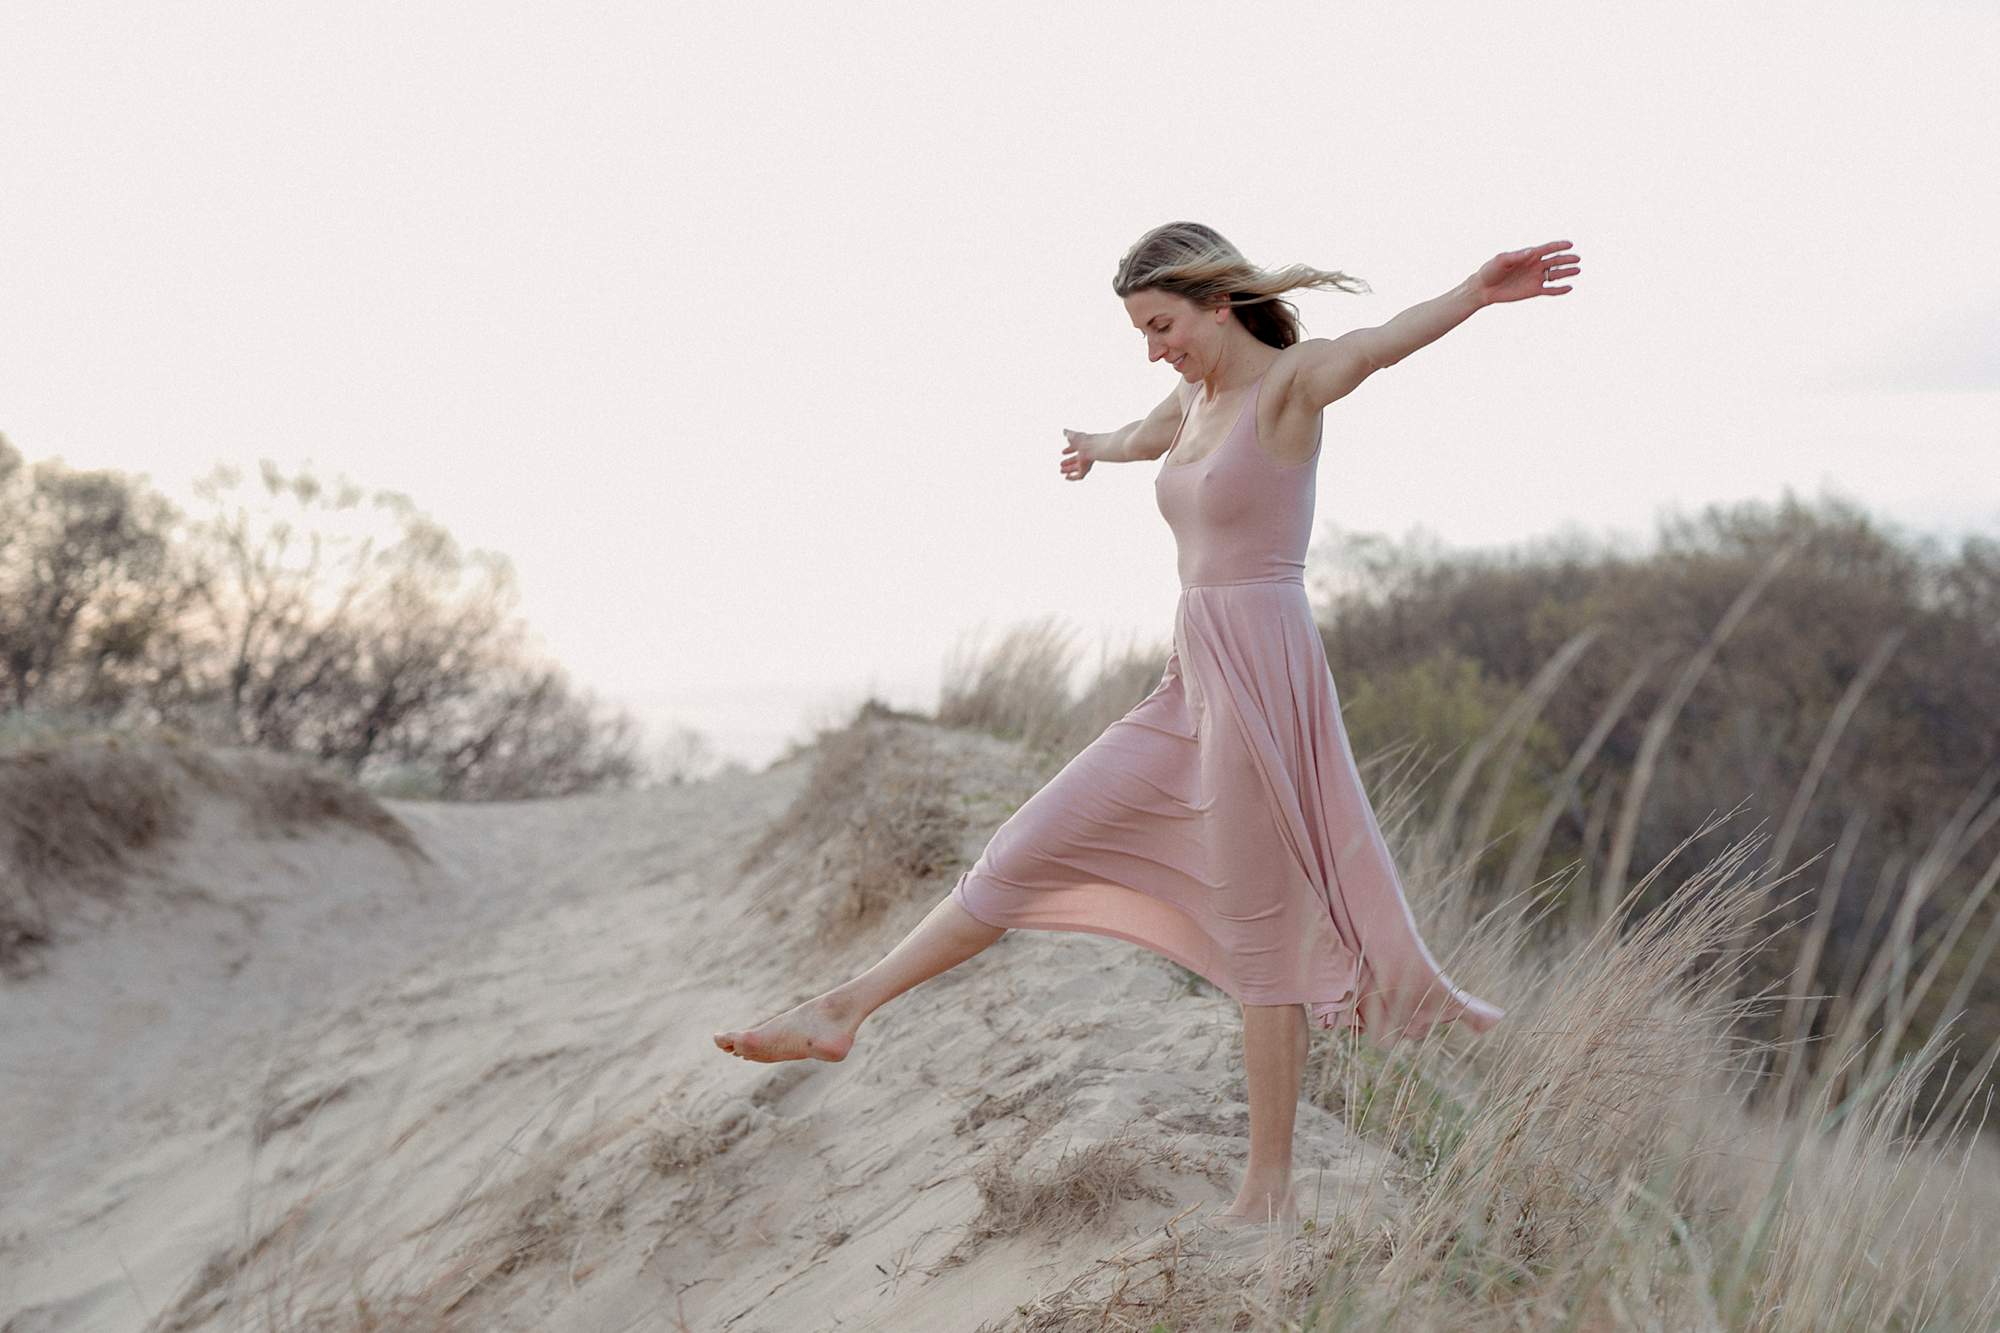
<point x="1222" y="821"/>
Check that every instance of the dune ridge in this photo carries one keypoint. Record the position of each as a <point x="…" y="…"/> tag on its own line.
<point x="475" y="1089"/>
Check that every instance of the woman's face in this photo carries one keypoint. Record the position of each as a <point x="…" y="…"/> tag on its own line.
<point x="1177" y="331"/>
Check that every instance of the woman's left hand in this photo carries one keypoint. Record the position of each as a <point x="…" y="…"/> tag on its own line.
<point x="1519" y="274"/>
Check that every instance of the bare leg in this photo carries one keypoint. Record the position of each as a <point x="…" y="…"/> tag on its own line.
<point x="823" y="1027"/>
<point x="1275" y="1044"/>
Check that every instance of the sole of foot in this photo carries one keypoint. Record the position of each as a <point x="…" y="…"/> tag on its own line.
<point x="804" y="1032"/>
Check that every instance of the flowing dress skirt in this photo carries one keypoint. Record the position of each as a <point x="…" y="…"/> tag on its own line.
<point x="1222" y="824"/>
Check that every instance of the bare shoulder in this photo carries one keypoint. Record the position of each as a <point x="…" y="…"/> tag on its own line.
<point x="1288" y="420"/>
<point x="1322" y="371"/>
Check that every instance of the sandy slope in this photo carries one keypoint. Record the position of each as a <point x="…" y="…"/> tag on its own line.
<point x="302" y="1069"/>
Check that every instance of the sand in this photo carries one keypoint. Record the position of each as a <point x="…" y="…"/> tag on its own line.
<point x="288" y="1075"/>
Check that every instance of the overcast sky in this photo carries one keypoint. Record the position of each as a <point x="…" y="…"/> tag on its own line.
<point x="748" y="332"/>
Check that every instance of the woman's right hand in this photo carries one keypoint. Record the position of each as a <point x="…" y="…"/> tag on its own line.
<point x="1080" y="453"/>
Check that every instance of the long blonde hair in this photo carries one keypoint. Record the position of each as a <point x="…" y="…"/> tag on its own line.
<point x="1194" y="261"/>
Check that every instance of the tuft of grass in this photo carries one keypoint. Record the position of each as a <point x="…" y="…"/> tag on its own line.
<point x="1081" y="1189"/>
<point x="876" y="816"/>
<point x="1606" y="1158"/>
<point x="78" y="805"/>
<point x="1020" y="691"/>
<point x="289" y="797"/>
<point x="1599" y="1160"/>
<point x="73" y="813"/>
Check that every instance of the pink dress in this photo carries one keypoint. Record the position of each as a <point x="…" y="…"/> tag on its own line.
<point x="1221" y="822"/>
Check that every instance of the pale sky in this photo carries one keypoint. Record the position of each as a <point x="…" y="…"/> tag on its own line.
<point x="748" y="332"/>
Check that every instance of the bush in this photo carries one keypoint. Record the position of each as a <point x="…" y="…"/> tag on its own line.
<point x="306" y="618"/>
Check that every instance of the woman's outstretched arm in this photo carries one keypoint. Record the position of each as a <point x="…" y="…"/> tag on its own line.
<point x="1334" y="367"/>
<point x="1145" y="438"/>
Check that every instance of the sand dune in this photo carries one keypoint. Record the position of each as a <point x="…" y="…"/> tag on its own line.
<point x="478" y="1090"/>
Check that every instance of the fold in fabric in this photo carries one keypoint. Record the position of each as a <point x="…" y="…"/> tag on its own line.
<point x="1222" y="822"/>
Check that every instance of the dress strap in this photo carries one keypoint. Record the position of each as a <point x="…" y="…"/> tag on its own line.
<point x="1186" y="410"/>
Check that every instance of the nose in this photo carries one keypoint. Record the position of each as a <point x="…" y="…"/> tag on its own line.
<point x="1154" y="351"/>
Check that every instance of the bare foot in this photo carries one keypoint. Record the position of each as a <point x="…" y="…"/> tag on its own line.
<point x="1243" y="1213"/>
<point x="816" y="1029"/>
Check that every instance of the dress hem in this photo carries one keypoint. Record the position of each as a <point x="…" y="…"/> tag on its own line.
<point x="1342" y="1013"/>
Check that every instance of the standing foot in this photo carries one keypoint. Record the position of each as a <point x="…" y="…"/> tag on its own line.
<point x="818" y="1029"/>
<point x="1259" y="1209"/>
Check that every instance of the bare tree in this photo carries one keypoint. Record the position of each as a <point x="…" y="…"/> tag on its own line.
<point x="354" y="628"/>
<point x="294" y="615"/>
<point x="82" y="562"/>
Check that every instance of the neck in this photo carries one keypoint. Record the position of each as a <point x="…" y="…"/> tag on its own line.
<point x="1240" y="366"/>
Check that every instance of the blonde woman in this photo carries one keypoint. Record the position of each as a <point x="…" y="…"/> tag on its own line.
<point x="1221" y="822"/>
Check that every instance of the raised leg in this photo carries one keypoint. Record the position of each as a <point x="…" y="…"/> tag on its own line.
<point x="823" y="1027"/>
<point x="1275" y="1044"/>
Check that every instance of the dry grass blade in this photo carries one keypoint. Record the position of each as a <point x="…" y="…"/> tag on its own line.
<point x="1822" y="755"/>
<point x="1894" y="957"/>
<point x="1529" y="854"/>
<point x="1511" y="722"/>
<point x="1801" y="1006"/>
<point x="1516" y="722"/>
<point x="1654" y="742"/>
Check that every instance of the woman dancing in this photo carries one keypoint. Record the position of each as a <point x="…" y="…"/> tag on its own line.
<point x="1221" y="822"/>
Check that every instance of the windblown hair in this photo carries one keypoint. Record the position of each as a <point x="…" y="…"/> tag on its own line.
<point x="1194" y="261"/>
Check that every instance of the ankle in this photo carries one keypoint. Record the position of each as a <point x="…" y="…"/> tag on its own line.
<point x="1276" y="1185"/>
<point x="843" y="1007"/>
